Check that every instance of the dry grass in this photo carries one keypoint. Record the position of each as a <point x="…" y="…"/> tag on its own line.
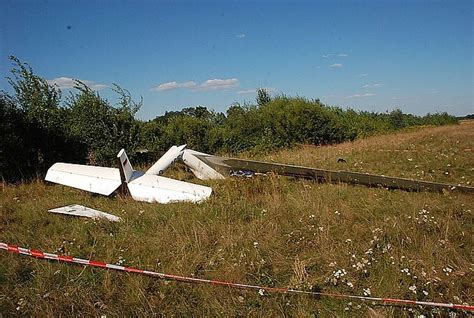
<point x="271" y="231"/>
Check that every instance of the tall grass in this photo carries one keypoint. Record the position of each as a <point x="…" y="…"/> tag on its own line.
<point x="270" y="230"/>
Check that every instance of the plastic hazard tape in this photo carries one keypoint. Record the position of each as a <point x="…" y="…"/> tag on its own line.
<point x="69" y="259"/>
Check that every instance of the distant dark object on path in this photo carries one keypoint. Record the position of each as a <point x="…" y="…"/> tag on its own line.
<point x="341" y="160"/>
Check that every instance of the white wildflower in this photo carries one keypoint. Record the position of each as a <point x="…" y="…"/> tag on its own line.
<point x="358" y="266"/>
<point x="447" y="270"/>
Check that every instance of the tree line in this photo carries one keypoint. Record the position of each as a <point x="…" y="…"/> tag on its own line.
<point x="39" y="127"/>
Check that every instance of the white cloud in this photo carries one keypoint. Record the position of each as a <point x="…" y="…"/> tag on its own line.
<point x="360" y="95"/>
<point x="240" y="36"/>
<point x="69" y="82"/>
<point x="96" y="87"/>
<point x="62" y="82"/>
<point x="363" y="75"/>
<point x="173" y="85"/>
<point x="217" y="83"/>
<point x="336" y="65"/>
<point x="246" y="91"/>
<point x="211" y="84"/>
<point x="331" y="55"/>
<point x="372" y="85"/>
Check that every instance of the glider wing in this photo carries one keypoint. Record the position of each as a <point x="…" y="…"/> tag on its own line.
<point x="100" y="180"/>
<point x="232" y="166"/>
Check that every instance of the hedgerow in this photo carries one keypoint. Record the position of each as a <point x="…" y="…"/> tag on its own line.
<point x="38" y="129"/>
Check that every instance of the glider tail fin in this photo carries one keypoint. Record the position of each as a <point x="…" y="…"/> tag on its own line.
<point x="125" y="166"/>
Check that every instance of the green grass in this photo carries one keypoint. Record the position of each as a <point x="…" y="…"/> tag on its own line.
<point x="270" y="230"/>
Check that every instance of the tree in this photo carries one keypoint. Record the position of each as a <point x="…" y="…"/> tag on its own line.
<point x="103" y="128"/>
<point x="35" y="96"/>
<point x="33" y="117"/>
<point x="263" y="97"/>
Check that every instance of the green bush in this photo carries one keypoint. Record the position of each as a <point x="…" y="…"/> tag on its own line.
<point x="102" y="128"/>
<point x="33" y="127"/>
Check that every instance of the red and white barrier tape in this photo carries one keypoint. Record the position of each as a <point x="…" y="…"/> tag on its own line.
<point x="69" y="259"/>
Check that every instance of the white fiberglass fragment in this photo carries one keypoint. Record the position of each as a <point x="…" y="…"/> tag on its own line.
<point x="79" y="210"/>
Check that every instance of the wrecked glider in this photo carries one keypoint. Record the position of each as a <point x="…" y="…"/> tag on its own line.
<point x="142" y="186"/>
<point x="151" y="187"/>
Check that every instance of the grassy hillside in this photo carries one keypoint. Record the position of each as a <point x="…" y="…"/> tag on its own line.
<point x="272" y="231"/>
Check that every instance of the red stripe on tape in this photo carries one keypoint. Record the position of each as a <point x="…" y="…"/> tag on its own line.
<point x="37" y="253"/>
<point x="464" y="307"/>
<point x="393" y="300"/>
<point x="98" y="264"/>
<point x="276" y="289"/>
<point x="13" y="249"/>
<point x="65" y="258"/>
<point x="217" y="282"/>
<point x="133" y="270"/>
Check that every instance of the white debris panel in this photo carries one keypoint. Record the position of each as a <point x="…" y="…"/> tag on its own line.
<point x="80" y="210"/>
<point x="100" y="180"/>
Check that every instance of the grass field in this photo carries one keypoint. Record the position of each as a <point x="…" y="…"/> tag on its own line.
<point x="270" y="230"/>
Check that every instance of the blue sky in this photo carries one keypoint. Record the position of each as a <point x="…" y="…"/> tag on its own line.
<point x="369" y="55"/>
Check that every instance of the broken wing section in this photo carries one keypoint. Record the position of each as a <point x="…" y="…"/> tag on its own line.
<point x="206" y="166"/>
<point x="166" y="160"/>
<point x="152" y="188"/>
<point x="94" y="179"/>
<point x="196" y="161"/>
